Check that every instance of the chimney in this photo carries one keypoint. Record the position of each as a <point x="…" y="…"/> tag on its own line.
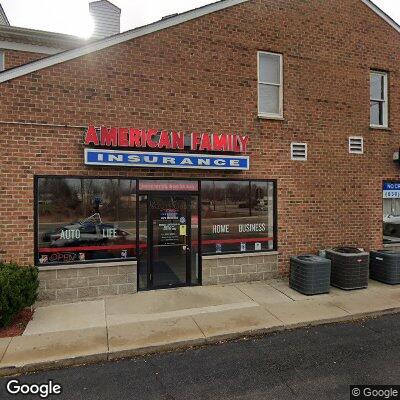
<point x="106" y="17"/>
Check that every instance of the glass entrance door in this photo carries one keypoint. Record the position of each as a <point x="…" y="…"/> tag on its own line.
<point x="169" y="232"/>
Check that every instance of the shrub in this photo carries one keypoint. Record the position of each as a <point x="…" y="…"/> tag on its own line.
<point x="18" y="290"/>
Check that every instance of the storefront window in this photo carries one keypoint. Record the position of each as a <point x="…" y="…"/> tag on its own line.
<point x="143" y="252"/>
<point x="237" y="216"/>
<point x="83" y="220"/>
<point x="261" y="221"/>
<point x="391" y="212"/>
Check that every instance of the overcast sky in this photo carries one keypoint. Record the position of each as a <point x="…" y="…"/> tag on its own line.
<point x="72" y="16"/>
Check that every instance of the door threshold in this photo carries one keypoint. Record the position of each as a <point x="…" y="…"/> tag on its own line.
<point x="168" y="287"/>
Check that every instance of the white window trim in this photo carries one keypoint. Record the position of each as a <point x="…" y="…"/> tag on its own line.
<point x="270" y="115"/>
<point x="385" y="100"/>
<point x="362" y="144"/>
<point x="298" y="144"/>
<point x="2" y="60"/>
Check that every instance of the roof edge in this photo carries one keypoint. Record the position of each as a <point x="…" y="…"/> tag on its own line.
<point x="3" y="13"/>
<point x="39" y="34"/>
<point x="116" y="39"/>
<point x="30" y="48"/>
<point x="142" y="31"/>
<point x="382" y="14"/>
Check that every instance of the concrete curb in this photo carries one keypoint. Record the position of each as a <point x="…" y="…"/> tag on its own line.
<point x="51" y="365"/>
<point x="162" y="348"/>
<point x="182" y="345"/>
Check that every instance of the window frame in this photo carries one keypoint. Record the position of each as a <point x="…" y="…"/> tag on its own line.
<point x="261" y="114"/>
<point x="384" y="101"/>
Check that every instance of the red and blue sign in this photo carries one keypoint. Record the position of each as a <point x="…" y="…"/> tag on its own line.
<point x="130" y="147"/>
<point x="119" y="158"/>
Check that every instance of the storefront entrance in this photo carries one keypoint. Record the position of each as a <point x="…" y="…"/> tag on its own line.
<point x="164" y="228"/>
<point x="170" y="240"/>
<point x="168" y="232"/>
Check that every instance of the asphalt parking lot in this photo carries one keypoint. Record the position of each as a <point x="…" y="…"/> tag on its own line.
<point x="315" y="363"/>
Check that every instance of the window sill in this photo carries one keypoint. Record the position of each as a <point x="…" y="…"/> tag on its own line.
<point x="239" y="255"/>
<point x="379" y="128"/>
<point x="272" y="117"/>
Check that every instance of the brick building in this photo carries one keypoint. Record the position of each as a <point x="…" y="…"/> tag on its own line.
<point x="207" y="147"/>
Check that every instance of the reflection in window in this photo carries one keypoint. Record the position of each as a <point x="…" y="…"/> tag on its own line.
<point x="83" y="220"/>
<point x="237" y="216"/>
<point x="262" y="214"/>
<point x="142" y="255"/>
<point x="194" y="230"/>
<point x="391" y="212"/>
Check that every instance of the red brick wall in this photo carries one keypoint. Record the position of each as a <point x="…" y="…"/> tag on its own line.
<point x="15" y="58"/>
<point x="202" y="76"/>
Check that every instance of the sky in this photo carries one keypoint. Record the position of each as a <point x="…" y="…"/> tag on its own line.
<point x="72" y="16"/>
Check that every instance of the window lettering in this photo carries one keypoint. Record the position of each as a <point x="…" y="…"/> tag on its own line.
<point x="71" y="234"/>
<point x="237" y="216"/>
<point x="220" y="228"/>
<point x="85" y="219"/>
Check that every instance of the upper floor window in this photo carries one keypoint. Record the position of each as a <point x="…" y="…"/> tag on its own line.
<point x="379" y="99"/>
<point x="2" y="61"/>
<point x="270" y="85"/>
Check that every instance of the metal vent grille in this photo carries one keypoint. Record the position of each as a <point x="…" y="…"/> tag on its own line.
<point x="298" y="151"/>
<point x="356" y="145"/>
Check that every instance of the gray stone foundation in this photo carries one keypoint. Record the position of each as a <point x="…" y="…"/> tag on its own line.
<point x="87" y="281"/>
<point x="231" y="268"/>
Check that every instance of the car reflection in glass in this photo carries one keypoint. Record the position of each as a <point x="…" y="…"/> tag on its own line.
<point x="391" y="228"/>
<point x="87" y="233"/>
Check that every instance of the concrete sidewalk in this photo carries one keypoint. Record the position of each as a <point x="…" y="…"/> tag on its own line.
<point x="69" y="334"/>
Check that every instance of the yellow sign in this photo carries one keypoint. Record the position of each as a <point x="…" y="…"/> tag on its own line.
<point x="182" y="230"/>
